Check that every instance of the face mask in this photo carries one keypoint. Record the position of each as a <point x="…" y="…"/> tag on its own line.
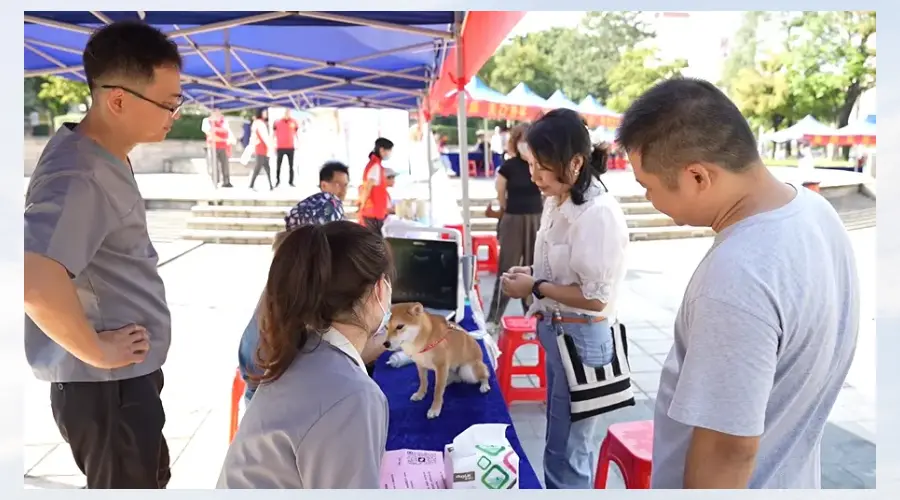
<point x="522" y="147"/>
<point x="386" y="309"/>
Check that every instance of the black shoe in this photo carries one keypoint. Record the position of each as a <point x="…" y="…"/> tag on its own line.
<point x="227" y="186"/>
<point x="291" y="184"/>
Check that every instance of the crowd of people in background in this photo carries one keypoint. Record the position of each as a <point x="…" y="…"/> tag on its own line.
<point x="763" y="340"/>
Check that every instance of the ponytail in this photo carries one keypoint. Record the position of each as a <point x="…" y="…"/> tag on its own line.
<point x="287" y="325"/>
<point x="594" y="166"/>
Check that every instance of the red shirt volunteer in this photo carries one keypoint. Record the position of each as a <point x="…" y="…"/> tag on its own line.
<point x="285" y="132"/>
<point x="376" y="205"/>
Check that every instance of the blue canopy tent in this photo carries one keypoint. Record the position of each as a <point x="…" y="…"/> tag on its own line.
<point x="559" y="100"/>
<point x="236" y="60"/>
<point x="524" y="96"/>
<point x="241" y="60"/>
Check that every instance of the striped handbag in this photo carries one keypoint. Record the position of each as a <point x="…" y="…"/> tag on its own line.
<point x="595" y="391"/>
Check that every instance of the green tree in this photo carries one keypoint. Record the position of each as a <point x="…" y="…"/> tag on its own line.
<point x="762" y="93"/>
<point x="637" y="71"/>
<point x="521" y="61"/>
<point x="58" y="94"/>
<point x="745" y="50"/>
<point x="576" y="60"/>
<point x="831" y="61"/>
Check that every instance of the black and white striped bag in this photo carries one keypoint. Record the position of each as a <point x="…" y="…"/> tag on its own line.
<point x="595" y="391"/>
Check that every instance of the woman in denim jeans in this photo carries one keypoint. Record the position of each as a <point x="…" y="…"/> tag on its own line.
<point x="578" y="269"/>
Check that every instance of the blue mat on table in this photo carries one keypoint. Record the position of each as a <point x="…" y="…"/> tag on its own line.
<point x="464" y="406"/>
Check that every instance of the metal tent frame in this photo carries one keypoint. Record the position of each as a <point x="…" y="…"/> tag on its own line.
<point x="265" y="77"/>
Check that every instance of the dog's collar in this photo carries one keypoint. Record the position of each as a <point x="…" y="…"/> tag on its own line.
<point x="432" y="345"/>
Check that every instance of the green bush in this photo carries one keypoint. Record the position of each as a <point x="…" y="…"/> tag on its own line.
<point x="187" y="128"/>
<point x="42" y="130"/>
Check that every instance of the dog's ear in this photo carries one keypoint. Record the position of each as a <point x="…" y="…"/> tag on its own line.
<point x="416" y="309"/>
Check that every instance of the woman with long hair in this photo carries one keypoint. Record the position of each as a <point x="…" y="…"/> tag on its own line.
<point x="262" y="144"/>
<point x="520" y="217"/>
<point x="578" y="270"/>
<point x="317" y="420"/>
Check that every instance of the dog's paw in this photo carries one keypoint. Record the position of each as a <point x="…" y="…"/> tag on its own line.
<point x="433" y="412"/>
<point x="485" y="387"/>
<point x="417" y="396"/>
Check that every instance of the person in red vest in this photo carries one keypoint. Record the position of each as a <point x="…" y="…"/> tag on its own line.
<point x="285" y="132"/>
<point x="220" y="138"/>
<point x="261" y="142"/>
<point x="373" y="198"/>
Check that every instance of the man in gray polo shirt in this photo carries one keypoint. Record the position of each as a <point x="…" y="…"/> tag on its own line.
<point x="97" y="326"/>
<point x="767" y="329"/>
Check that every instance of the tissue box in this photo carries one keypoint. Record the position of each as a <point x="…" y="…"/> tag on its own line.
<point x="481" y="458"/>
<point x="412" y="470"/>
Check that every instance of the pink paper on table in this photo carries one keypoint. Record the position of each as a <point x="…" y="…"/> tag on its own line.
<point x="412" y="470"/>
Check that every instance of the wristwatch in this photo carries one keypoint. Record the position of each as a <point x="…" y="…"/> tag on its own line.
<point x="535" y="289"/>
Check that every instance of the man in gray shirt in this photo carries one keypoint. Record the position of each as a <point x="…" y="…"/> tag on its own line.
<point x="767" y="329"/>
<point x="97" y="326"/>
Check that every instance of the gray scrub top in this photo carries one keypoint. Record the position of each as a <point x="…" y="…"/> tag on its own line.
<point x="321" y="425"/>
<point x="83" y="209"/>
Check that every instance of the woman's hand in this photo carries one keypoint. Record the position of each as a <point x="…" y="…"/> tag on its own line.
<point x="517" y="285"/>
<point x="520" y="270"/>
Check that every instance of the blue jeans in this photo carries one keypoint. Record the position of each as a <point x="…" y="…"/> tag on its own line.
<point x="247" y="353"/>
<point x="571" y="448"/>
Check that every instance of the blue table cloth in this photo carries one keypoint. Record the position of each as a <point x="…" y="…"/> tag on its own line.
<point x="496" y="161"/>
<point x="464" y="406"/>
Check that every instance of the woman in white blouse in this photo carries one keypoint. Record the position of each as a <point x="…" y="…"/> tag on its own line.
<point x="578" y="269"/>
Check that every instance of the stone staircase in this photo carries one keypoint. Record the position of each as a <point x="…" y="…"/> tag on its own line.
<point x="257" y="221"/>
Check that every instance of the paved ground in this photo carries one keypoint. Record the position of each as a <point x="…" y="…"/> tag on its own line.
<point x="198" y="186"/>
<point x="212" y="288"/>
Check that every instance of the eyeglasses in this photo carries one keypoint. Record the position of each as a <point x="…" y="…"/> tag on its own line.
<point x="173" y="110"/>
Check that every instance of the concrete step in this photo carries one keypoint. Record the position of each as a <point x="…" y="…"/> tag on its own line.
<point x="668" y="232"/>
<point x="639" y="208"/>
<point x="277" y="223"/>
<point x="473" y="202"/>
<point x="859" y="219"/>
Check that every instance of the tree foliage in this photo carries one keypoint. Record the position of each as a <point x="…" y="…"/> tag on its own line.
<point x="826" y="63"/>
<point x="576" y="60"/>
<point x="58" y="94"/>
<point x="638" y="70"/>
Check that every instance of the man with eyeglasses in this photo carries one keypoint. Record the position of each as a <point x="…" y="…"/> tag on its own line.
<point x="97" y="325"/>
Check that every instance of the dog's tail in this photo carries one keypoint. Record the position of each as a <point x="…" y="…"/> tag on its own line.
<point x="467" y="374"/>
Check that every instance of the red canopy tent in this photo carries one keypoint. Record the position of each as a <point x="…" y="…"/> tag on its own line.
<point x="860" y="133"/>
<point x="478" y="36"/>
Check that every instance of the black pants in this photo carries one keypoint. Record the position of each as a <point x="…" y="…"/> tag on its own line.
<point x="222" y="163"/>
<point x="374" y="224"/>
<point x="516" y="234"/>
<point x="115" y="431"/>
<point x="262" y="163"/>
<point x="289" y="154"/>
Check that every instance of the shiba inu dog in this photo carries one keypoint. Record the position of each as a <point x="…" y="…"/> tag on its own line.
<point x="434" y="343"/>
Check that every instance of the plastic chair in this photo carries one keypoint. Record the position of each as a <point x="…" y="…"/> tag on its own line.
<point x="492" y="262"/>
<point x="629" y="445"/>
<point x="473" y="168"/>
<point x="237" y="392"/>
<point x="516" y="332"/>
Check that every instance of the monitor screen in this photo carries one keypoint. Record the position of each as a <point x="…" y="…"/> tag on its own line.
<point x="427" y="271"/>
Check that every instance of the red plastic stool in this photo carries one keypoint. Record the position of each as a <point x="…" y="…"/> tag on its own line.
<point x="518" y="331"/>
<point x="492" y="262"/>
<point x="473" y="168"/>
<point x="458" y="227"/>
<point x="237" y="392"/>
<point x="629" y="445"/>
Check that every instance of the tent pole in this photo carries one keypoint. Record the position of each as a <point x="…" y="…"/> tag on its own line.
<point x="463" y="130"/>
<point x="426" y="136"/>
